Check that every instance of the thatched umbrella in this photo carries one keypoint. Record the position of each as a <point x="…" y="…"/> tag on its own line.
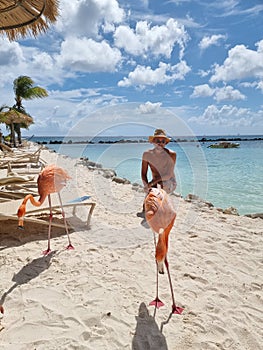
<point x="19" y="18"/>
<point x="13" y="116"/>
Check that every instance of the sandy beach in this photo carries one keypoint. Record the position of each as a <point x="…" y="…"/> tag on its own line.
<point x="90" y="297"/>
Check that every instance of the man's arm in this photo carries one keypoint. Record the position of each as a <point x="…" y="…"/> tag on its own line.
<point x="172" y="154"/>
<point x="144" y="170"/>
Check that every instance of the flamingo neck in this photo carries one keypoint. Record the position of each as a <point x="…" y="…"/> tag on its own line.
<point x="33" y="201"/>
<point x="22" y="209"/>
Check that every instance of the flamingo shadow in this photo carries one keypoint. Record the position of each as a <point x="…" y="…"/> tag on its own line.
<point x="28" y="272"/>
<point x="11" y="235"/>
<point x="147" y="334"/>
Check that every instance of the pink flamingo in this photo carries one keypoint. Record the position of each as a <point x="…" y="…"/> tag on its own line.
<point x="50" y="180"/>
<point x="160" y="216"/>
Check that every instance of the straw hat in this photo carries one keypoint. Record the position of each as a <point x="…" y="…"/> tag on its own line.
<point x="159" y="133"/>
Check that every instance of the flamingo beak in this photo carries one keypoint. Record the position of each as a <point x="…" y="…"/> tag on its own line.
<point x="21" y="213"/>
<point x="21" y="223"/>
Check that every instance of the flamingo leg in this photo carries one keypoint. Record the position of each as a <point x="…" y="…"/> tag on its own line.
<point x="70" y="246"/>
<point x="175" y="309"/>
<point x="156" y="302"/>
<point x="46" y="252"/>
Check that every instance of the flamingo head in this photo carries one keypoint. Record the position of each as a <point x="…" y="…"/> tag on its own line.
<point x="153" y="201"/>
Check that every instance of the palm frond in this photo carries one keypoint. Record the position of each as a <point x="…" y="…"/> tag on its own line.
<point x="35" y="92"/>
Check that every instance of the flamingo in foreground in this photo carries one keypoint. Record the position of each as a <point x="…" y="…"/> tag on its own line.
<point x="160" y="216"/>
<point x="50" y="180"/>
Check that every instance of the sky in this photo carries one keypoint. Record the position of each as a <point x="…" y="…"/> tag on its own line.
<point x="191" y="67"/>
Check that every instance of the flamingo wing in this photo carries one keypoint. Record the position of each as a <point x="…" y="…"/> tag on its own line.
<point x="52" y="179"/>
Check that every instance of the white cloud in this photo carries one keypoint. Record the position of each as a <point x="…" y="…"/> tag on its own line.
<point x="87" y="55"/>
<point x="228" y="116"/>
<point x="83" y="41"/>
<point x="49" y="126"/>
<point x="202" y="73"/>
<point x="178" y="2"/>
<point x="17" y="59"/>
<point x="219" y="94"/>
<point x="228" y="93"/>
<point x="156" y="40"/>
<point x="143" y="76"/>
<point x="203" y="91"/>
<point x="260" y="86"/>
<point x="149" y="107"/>
<point x="74" y="104"/>
<point x="247" y="84"/>
<point x="211" y="40"/>
<point x="43" y="59"/>
<point x="10" y="53"/>
<point x="84" y="17"/>
<point x="233" y="8"/>
<point x="241" y="63"/>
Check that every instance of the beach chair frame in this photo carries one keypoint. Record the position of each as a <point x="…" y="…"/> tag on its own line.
<point x="8" y="211"/>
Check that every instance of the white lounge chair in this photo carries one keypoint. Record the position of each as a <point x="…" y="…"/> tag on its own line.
<point x="8" y="210"/>
<point x="14" y="186"/>
<point x="21" y="159"/>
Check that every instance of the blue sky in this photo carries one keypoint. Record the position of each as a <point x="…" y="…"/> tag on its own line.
<point x="127" y="67"/>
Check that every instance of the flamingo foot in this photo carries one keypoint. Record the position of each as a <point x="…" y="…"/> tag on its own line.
<point x="177" y="310"/>
<point x="157" y="303"/>
<point x="70" y="247"/>
<point x="46" y="252"/>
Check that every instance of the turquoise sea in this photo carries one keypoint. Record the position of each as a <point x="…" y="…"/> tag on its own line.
<point x="225" y="177"/>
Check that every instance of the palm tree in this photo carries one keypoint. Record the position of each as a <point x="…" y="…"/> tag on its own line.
<point x="3" y="109"/>
<point x="24" y="89"/>
<point x="11" y="116"/>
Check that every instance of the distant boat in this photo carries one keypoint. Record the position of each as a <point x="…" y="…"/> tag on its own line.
<point x="224" y="144"/>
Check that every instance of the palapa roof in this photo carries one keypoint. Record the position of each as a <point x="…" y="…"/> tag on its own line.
<point x="13" y="116"/>
<point x="19" y="18"/>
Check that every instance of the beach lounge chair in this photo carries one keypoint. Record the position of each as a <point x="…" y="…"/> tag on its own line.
<point x="8" y="210"/>
<point x="13" y="177"/>
<point x="14" y="186"/>
<point x="5" y="150"/>
<point x="24" y="169"/>
<point x="21" y="159"/>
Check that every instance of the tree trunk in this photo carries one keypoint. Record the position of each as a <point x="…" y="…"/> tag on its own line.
<point x="18" y="131"/>
<point x="13" y="135"/>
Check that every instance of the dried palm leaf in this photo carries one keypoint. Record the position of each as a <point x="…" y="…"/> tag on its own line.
<point x="19" y="18"/>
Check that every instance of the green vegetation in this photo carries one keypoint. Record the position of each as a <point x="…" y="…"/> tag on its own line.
<point x="17" y="117"/>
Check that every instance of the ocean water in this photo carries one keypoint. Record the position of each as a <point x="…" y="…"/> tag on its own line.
<point x="225" y="177"/>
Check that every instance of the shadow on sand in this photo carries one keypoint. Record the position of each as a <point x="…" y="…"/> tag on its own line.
<point x="147" y="334"/>
<point x="12" y="236"/>
<point x="28" y="272"/>
<point x="143" y="222"/>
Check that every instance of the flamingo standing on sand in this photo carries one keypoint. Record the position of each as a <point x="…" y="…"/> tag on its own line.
<point x="50" y="180"/>
<point x="160" y="216"/>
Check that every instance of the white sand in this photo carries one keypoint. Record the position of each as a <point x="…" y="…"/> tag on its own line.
<point x="89" y="298"/>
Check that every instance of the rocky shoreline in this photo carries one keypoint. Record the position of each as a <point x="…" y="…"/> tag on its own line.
<point x="111" y="174"/>
<point x="178" y="140"/>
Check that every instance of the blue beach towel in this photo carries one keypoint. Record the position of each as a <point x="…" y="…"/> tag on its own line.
<point x="79" y="199"/>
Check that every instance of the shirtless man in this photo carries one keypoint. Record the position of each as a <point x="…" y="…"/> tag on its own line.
<point x="161" y="162"/>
